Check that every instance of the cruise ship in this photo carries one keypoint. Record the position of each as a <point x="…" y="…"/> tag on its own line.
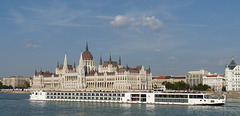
<point x="129" y="97"/>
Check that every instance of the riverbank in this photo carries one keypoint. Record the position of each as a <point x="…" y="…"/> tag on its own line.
<point x="232" y="95"/>
<point x="16" y="91"/>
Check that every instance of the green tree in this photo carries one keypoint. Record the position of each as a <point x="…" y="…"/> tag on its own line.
<point x="1" y="85"/>
<point x="26" y="84"/>
<point x="181" y="85"/>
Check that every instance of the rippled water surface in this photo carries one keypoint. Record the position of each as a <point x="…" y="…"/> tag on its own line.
<point x="20" y="105"/>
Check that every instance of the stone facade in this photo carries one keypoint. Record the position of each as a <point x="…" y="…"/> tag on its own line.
<point x="15" y="81"/>
<point x="196" y="77"/>
<point x="216" y="82"/>
<point x="110" y="76"/>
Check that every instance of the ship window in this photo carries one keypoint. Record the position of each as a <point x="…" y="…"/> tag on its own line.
<point x="143" y="95"/>
<point x="143" y="99"/>
<point x="65" y="93"/>
<point x="72" y="93"/>
<point x="77" y="94"/>
<point x="61" y="93"/>
<point x="135" y="95"/>
<point x="196" y="96"/>
<point x="54" y="93"/>
<point x="69" y="93"/>
<point x="207" y="96"/>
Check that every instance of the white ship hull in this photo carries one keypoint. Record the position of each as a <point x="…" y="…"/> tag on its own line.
<point x="139" y="98"/>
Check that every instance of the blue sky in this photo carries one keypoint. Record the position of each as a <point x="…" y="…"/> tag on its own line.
<point x="173" y="37"/>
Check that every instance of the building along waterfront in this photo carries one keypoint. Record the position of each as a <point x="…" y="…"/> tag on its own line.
<point x="110" y="76"/>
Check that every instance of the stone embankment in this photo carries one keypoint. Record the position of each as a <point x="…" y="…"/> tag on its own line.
<point x="233" y="95"/>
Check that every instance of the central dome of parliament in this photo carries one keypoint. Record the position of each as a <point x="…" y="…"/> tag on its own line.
<point x="87" y="55"/>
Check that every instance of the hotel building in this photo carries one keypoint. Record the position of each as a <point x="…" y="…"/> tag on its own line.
<point x="232" y="76"/>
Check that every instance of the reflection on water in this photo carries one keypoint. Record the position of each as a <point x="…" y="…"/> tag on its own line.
<point x="19" y="105"/>
<point x="38" y="104"/>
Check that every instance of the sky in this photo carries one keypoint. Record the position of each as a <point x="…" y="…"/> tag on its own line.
<point x="171" y="36"/>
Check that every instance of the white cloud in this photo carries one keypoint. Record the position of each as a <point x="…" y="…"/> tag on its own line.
<point x="104" y="17"/>
<point x="157" y="50"/>
<point x="152" y="22"/>
<point x="124" y="21"/>
<point x="172" y="58"/>
<point x="121" y="21"/>
<point x="29" y="45"/>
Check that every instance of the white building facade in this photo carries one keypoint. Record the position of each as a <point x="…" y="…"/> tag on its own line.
<point x="110" y="75"/>
<point x="232" y="76"/>
<point x="216" y="82"/>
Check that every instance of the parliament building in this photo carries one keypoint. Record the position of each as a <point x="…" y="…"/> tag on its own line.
<point x="110" y="76"/>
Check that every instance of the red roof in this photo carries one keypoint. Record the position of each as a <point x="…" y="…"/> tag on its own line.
<point x="69" y="67"/>
<point x="113" y="63"/>
<point x="160" y="77"/>
<point x="87" y="55"/>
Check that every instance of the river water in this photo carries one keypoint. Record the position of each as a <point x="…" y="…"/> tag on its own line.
<point x="20" y="105"/>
